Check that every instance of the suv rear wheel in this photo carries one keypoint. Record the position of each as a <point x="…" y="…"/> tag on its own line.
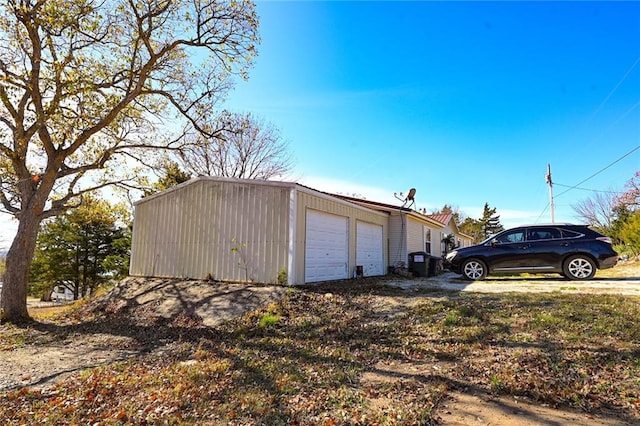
<point x="579" y="267"/>
<point x="474" y="269"/>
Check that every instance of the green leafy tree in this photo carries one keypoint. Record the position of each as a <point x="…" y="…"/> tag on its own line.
<point x="81" y="250"/>
<point x="171" y="175"/>
<point x="473" y="228"/>
<point x="449" y="242"/>
<point x="85" y="89"/>
<point x="608" y="211"/>
<point x="483" y="227"/>
<point x="630" y="232"/>
<point x="621" y="214"/>
<point x="624" y="229"/>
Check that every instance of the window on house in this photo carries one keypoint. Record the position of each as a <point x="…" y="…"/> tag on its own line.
<point x="427" y="241"/>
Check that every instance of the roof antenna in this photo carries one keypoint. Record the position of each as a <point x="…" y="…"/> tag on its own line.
<point x="410" y="198"/>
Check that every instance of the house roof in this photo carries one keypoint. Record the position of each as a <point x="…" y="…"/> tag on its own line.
<point x="198" y="179"/>
<point x="443" y="218"/>
<point x="439" y="220"/>
<point x="362" y="201"/>
<point x="375" y="205"/>
<point x="258" y="182"/>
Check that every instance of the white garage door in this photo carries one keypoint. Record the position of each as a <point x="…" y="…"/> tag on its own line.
<point x="327" y="247"/>
<point x="369" y="248"/>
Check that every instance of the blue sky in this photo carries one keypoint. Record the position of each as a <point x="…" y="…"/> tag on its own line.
<point x="465" y="101"/>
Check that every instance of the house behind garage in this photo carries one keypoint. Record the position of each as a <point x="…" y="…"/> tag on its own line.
<point x="256" y="231"/>
<point x="415" y="231"/>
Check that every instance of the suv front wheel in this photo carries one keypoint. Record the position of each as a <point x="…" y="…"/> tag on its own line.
<point x="474" y="269"/>
<point x="579" y="267"/>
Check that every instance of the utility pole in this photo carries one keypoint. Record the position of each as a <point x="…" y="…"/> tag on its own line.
<point x="547" y="177"/>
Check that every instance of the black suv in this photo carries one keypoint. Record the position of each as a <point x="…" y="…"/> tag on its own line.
<point x="575" y="251"/>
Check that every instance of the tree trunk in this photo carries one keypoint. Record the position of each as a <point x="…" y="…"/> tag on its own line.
<point x="46" y="295"/>
<point x="14" y="291"/>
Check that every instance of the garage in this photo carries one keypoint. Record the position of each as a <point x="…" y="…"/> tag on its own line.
<point x="369" y="248"/>
<point x="327" y="247"/>
<point x="252" y="231"/>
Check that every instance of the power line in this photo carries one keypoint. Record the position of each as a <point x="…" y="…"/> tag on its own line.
<point x="587" y="189"/>
<point x="576" y="186"/>
<point x="600" y="171"/>
<point x="624" y="77"/>
<point x="541" y="213"/>
<point x="597" y="110"/>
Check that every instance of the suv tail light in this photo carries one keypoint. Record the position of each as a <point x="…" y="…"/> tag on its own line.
<point x="604" y="239"/>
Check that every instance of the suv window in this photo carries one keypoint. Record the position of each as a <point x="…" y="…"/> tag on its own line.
<point x="516" y="236"/>
<point x="543" y="234"/>
<point x="566" y="233"/>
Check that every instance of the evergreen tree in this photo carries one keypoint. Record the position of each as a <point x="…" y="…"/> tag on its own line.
<point x="490" y="222"/>
<point x="171" y="175"/>
<point x="621" y="215"/>
<point x="480" y="229"/>
<point x="80" y="250"/>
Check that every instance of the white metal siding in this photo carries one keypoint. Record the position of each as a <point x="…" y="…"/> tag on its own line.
<point x="232" y="231"/>
<point x="237" y="230"/>
<point x="310" y="200"/>
<point x="397" y="240"/>
<point x="370" y="248"/>
<point x="327" y="247"/>
<point x="415" y="236"/>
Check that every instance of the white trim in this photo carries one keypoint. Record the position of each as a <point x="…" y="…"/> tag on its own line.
<point x="293" y="224"/>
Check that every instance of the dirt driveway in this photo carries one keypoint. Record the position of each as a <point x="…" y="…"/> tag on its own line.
<point x="629" y="285"/>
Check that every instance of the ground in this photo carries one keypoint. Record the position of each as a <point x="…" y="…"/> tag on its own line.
<point x="49" y="361"/>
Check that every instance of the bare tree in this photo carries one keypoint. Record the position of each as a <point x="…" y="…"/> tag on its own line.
<point x="243" y="147"/>
<point x="631" y="197"/>
<point x="597" y="211"/>
<point x="84" y="88"/>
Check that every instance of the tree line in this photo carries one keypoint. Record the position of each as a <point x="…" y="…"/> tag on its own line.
<point x="616" y="214"/>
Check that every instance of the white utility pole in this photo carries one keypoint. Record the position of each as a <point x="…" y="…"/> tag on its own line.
<point x="550" y="182"/>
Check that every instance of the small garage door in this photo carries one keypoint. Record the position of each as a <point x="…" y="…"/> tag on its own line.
<point x="369" y="248"/>
<point x="326" y="248"/>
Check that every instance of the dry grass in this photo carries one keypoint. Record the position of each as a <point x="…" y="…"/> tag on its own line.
<point x="627" y="269"/>
<point x="351" y="355"/>
<point x="44" y="313"/>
